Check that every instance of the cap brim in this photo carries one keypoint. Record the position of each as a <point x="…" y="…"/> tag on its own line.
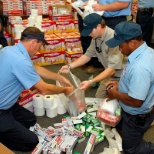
<point x="86" y="32"/>
<point x="45" y="42"/>
<point x="113" y="42"/>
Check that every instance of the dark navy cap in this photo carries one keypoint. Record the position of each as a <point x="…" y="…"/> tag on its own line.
<point x="90" y="22"/>
<point x="124" y="31"/>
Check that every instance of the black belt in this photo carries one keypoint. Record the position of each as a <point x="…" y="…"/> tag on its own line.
<point x="147" y="114"/>
<point x="143" y="115"/>
<point x="117" y="17"/>
<point x="1" y="111"/>
<point x="146" y="9"/>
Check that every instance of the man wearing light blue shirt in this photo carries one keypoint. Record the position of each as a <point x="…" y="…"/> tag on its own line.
<point x="145" y="17"/>
<point x="115" y="11"/>
<point x="18" y="73"/>
<point x="136" y="87"/>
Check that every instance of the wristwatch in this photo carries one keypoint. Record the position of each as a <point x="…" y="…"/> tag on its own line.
<point x="69" y="67"/>
<point x="91" y="82"/>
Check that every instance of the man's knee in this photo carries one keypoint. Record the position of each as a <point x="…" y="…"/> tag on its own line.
<point x="33" y="141"/>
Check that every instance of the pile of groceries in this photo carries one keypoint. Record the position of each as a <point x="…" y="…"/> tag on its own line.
<point x="89" y="118"/>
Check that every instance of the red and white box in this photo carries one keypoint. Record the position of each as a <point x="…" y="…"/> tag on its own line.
<point x="26" y="98"/>
<point x="69" y="58"/>
<point x="54" y="58"/>
<point x="12" y="7"/>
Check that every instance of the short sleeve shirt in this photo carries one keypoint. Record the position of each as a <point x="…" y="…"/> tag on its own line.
<point x="137" y="79"/>
<point x="17" y="73"/>
<point x="108" y="57"/>
<point x="146" y="3"/>
<point x="122" y="12"/>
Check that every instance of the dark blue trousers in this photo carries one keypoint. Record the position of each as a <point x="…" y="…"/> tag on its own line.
<point x="146" y="19"/>
<point x="113" y="21"/>
<point x="14" y="128"/>
<point x="132" y="135"/>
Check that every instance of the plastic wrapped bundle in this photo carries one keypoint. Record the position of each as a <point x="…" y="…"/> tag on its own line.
<point x="110" y="112"/>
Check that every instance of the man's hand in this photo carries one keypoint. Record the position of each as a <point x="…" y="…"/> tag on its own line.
<point x="69" y="90"/>
<point x="65" y="82"/>
<point x="97" y="7"/>
<point x="84" y="85"/>
<point x="110" y="84"/>
<point x="85" y="3"/>
<point x="64" y="69"/>
<point x="112" y="88"/>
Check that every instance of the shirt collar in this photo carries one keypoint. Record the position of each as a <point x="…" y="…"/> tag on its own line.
<point x="23" y="50"/>
<point x="137" y="52"/>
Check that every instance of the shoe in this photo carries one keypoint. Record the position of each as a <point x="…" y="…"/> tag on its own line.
<point x="152" y="124"/>
<point x="85" y="67"/>
<point x="92" y="70"/>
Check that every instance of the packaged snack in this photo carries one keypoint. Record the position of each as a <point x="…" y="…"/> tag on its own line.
<point x="109" y="112"/>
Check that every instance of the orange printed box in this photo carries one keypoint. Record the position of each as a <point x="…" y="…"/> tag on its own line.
<point x="72" y="57"/>
<point x="64" y="26"/>
<point x="56" y="44"/>
<point x="54" y="58"/>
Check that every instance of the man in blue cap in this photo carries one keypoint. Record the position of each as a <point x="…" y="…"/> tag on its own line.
<point x="135" y="91"/>
<point x="18" y="73"/>
<point x="110" y="58"/>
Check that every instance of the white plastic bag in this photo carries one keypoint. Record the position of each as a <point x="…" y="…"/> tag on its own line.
<point x="109" y="112"/>
<point x="87" y="9"/>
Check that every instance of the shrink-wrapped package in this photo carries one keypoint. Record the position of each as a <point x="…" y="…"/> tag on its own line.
<point x="109" y="112"/>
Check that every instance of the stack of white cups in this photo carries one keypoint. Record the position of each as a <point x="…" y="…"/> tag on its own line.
<point x="38" y="105"/>
<point x="60" y="106"/>
<point x="18" y="29"/>
<point x="50" y="106"/>
<point x="35" y="19"/>
<point x="49" y="103"/>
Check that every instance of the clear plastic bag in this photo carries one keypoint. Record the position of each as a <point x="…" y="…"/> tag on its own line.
<point x="75" y="102"/>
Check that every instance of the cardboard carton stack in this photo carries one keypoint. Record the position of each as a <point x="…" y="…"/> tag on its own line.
<point x="60" y="28"/>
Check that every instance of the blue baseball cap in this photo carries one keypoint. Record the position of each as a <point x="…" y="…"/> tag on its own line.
<point x="39" y="36"/>
<point x="90" y="22"/>
<point x="124" y="31"/>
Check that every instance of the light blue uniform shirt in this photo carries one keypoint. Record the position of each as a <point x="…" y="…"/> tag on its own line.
<point x="146" y="3"/>
<point x="16" y="74"/>
<point x="83" y="0"/>
<point x="123" y="12"/>
<point x="137" y="79"/>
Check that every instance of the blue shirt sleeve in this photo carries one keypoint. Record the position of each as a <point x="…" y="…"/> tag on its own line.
<point x="25" y="73"/>
<point x="122" y="12"/>
<point x="138" y="88"/>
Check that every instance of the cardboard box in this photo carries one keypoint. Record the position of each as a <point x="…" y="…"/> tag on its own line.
<point x="58" y="11"/>
<point x="5" y="150"/>
<point x="69" y="58"/>
<point x="49" y="58"/>
<point x="12" y="7"/>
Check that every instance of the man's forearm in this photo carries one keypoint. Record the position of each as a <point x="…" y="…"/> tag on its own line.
<point x="45" y="73"/>
<point x="116" y="6"/>
<point x="127" y="100"/>
<point x="104" y="75"/>
<point x="80" y="61"/>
